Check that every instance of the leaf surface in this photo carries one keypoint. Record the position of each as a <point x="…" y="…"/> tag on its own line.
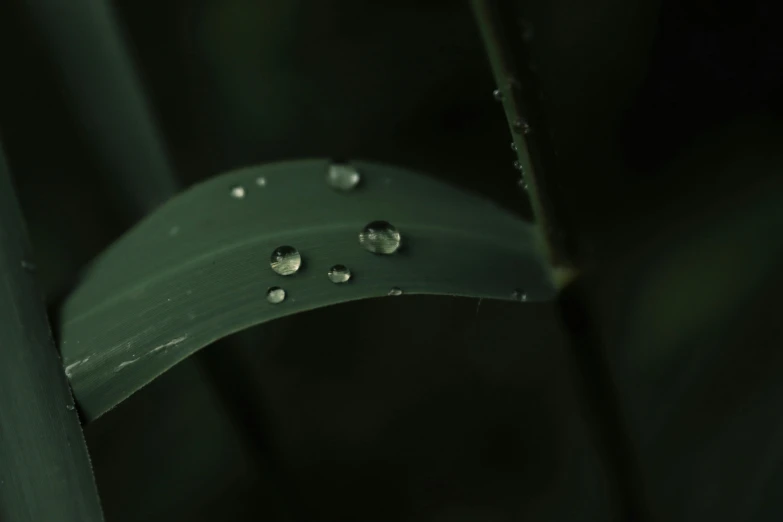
<point x="198" y="269"/>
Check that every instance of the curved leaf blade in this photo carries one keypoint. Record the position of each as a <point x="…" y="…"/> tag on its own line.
<point x="198" y="269"/>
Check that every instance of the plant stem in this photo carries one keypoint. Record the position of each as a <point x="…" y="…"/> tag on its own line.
<point x="45" y="471"/>
<point x="520" y="94"/>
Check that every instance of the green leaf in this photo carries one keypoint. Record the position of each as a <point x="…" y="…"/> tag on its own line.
<point x="198" y="269"/>
<point x="45" y="471"/>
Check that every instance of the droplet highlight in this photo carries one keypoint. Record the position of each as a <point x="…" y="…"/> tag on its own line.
<point x="522" y="184"/>
<point x="520" y="126"/>
<point x="275" y="295"/>
<point x="519" y="295"/>
<point x="339" y="274"/>
<point x="395" y="291"/>
<point x="238" y="192"/>
<point x="380" y="237"/>
<point x="514" y="146"/>
<point x="518" y="165"/>
<point x="261" y="181"/>
<point x="497" y="94"/>
<point x="285" y="260"/>
<point x="342" y="176"/>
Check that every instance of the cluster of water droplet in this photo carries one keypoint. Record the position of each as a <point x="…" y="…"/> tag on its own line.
<point x="519" y="126"/>
<point x="378" y="237"/>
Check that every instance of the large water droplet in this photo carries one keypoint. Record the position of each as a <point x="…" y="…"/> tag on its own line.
<point x="519" y="295"/>
<point x="497" y="94"/>
<point x="238" y="192"/>
<point x="339" y="274"/>
<point x="380" y="237"/>
<point x="342" y="176"/>
<point x="275" y="295"/>
<point x="395" y="291"/>
<point x="286" y="260"/>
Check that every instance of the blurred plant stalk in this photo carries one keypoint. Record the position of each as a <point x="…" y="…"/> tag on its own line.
<point x="506" y="36"/>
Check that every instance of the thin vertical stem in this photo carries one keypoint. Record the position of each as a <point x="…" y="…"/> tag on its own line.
<point x="521" y="97"/>
<point x="519" y="93"/>
<point x="45" y="471"/>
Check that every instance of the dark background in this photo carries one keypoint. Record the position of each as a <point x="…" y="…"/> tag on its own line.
<point x="666" y="117"/>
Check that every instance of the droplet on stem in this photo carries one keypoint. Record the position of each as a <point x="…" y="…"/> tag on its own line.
<point x="275" y="295"/>
<point x="261" y="181"/>
<point x="518" y="165"/>
<point x="514" y="146"/>
<point x="339" y="274"/>
<point x="395" y="291"/>
<point x="520" y="126"/>
<point x="380" y="237"/>
<point x="519" y="295"/>
<point x="342" y="176"/>
<point x="238" y="192"/>
<point x="285" y="260"/>
<point x="497" y="94"/>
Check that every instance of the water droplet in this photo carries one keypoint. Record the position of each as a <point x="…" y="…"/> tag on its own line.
<point x="261" y="181"/>
<point x="518" y="165"/>
<point x="275" y="295"/>
<point x="339" y="274"/>
<point x="514" y="146"/>
<point x="238" y="192"/>
<point x="520" y="126"/>
<point x="519" y="295"/>
<point x="342" y="176"/>
<point x="380" y="237"/>
<point x="522" y="184"/>
<point x="70" y="407"/>
<point x="395" y="291"/>
<point x="285" y="260"/>
<point x="497" y="94"/>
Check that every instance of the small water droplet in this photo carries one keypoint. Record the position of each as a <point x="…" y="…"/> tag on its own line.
<point x="70" y="407"/>
<point x="285" y="260"/>
<point x="395" y="291"/>
<point x="522" y="184"/>
<point x="261" y="181"/>
<point x="339" y="274"/>
<point x="519" y="295"/>
<point x="342" y="176"/>
<point x="514" y="146"/>
<point x="520" y="126"/>
<point x="275" y="295"/>
<point x="380" y="237"/>
<point x="27" y="265"/>
<point x="518" y="165"/>
<point x="497" y="94"/>
<point x="238" y="192"/>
